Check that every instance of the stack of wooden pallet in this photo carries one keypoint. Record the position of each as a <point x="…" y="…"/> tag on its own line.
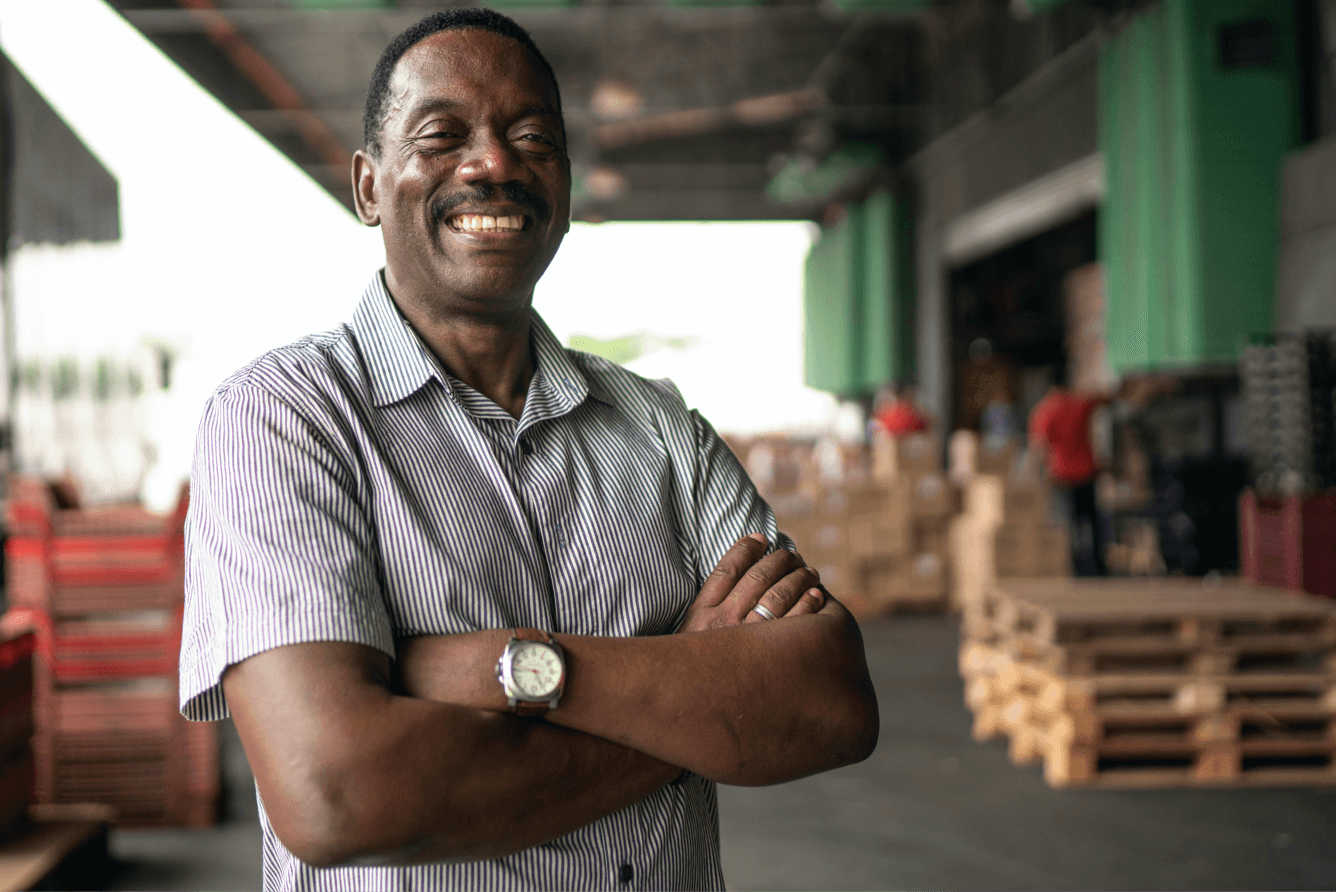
<point x="1156" y="682"/>
<point x="101" y="591"/>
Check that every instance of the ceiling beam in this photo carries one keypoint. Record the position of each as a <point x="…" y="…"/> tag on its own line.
<point x="797" y="16"/>
<point x="272" y="84"/>
<point x="757" y="111"/>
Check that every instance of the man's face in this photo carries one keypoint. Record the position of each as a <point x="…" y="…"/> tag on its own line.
<point x="472" y="187"/>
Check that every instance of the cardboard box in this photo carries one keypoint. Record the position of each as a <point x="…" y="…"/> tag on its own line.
<point x="931" y="495"/>
<point x="1031" y="550"/>
<point x="861" y="499"/>
<point x="996" y="499"/>
<point x="969" y="454"/>
<point x="931" y="536"/>
<point x="821" y="541"/>
<point x="925" y="575"/>
<point x="887" y="537"/>
<point x="894" y="456"/>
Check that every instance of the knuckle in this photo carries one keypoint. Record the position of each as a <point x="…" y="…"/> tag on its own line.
<point x="757" y="574"/>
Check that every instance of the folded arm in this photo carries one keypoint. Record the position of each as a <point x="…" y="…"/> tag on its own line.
<point x="349" y="771"/>
<point x="739" y="702"/>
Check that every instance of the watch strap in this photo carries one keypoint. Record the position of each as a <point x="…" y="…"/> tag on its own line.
<point x="525" y="633"/>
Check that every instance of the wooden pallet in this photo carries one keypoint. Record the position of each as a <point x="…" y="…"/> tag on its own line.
<point x="1187" y="694"/>
<point x="1031" y="729"/>
<point x="1270" y="653"/>
<point x="1113" y="614"/>
<point x="1153" y="762"/>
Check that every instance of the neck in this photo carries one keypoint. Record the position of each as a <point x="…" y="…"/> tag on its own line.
<point x="489" y="354"/>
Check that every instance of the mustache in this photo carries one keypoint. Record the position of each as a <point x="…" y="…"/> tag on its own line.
<point x="515" y="193"/>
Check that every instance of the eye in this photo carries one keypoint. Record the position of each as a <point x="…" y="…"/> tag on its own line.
<point x="538" y="142"/>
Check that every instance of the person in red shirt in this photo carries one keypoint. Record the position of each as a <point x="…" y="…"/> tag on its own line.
<point x="1060" y="430"/>
<point x="896" y="412"/>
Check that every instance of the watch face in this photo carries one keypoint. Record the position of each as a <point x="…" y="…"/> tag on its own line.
<point x="536" y="670"/>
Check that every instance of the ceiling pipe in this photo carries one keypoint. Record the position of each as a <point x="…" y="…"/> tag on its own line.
<point x="756" y="111"/>
<point x="271" y="83"/>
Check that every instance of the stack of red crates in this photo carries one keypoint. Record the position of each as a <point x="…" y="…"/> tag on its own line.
<point x="1289" y="541"/>
<point x="101" y="591"/>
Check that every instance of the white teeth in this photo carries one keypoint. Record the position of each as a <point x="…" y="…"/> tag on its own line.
<point x="485" y="223"/>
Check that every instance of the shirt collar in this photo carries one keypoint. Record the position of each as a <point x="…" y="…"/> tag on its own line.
<point x="395" y="362"/>
<point x="400" y="363"/>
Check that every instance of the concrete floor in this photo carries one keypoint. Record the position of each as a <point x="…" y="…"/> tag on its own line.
<point x="930" y="809"/>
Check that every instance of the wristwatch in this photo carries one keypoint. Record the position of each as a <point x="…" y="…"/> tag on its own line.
<point x="532" y="672"/>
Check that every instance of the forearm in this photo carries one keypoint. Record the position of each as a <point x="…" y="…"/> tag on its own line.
<point x="512" y="784"/>
<point x="749" y="704"/>
<point x="391" y="779"/>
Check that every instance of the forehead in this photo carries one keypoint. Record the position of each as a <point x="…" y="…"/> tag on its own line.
<point x="467" y="64"/>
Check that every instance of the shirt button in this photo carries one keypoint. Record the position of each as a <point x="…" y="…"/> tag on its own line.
<point x="626" y="873"/>
<point x="526" y="448"/>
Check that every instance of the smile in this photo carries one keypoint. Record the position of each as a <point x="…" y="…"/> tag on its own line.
<point x="487" y="223"/>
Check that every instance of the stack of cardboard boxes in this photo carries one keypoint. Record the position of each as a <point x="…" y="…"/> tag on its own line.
<point x="873" y="522"/>
<point x="1004" y="531"/>
<point x="855" y="532"/>
<point x="911" y="467"/>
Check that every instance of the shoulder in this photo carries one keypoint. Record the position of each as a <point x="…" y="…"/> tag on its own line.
<point x="315" y="385"/>
<point x="628" y="391"/>
<point x="306" y="371"/>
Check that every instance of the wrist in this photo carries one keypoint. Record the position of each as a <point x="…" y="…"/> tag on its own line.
<point x="531" y="671"/>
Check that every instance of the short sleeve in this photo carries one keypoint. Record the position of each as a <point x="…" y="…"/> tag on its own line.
<point x="279" y="549"/>
<point x="727" y="504"/>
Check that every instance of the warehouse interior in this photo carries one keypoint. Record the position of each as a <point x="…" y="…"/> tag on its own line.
<point x="1129" y="205"/>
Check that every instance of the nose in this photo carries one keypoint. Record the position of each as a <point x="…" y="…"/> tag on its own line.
<point x="489" y="158"/>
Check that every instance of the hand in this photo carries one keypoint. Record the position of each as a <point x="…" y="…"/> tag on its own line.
<point x="746" y="576"/>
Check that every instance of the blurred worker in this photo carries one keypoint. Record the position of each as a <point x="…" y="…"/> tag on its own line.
<point x="896" y="412"/>
<point x="1060" y="431"/>
<point x="402" y="532"/>
<point x="997" y="422"/>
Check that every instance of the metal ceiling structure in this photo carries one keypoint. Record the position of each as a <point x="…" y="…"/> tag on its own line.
<point x="53" y="190"/>
<point x="674" y="111"/>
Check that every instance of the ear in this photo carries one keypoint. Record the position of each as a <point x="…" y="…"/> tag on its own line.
<point x="364" y="188"/>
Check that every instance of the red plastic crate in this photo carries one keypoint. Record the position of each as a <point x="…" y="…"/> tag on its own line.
<point x="147" y="706"/>
<point x="1289" y="541"/>
<point x="150" y="778"/>
<point x="71" y="576"/>
<point x="32" y="511"/>
<point x="102" y="647"/>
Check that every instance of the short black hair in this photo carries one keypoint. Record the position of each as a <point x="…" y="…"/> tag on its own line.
<point x="373" y="116"/>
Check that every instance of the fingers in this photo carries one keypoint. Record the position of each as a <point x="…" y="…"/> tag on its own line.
<point x="735" y="562"/>
<point x="811" y="601"/>
<point x="788" y="595"/>
<point x="758" y="579"/>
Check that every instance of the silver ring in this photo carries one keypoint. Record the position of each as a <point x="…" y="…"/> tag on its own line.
<point x="763" y="611"/>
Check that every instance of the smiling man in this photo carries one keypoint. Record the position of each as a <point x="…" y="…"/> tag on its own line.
<point x="489" y="613"/>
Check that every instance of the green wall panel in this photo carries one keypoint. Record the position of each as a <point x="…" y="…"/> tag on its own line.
<point x="888" y="293"/>
<point x="859" y="300"/>
<point x="832" y="308"/>
<point x="1192" y="154"/>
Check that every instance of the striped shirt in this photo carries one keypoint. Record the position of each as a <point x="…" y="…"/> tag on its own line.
<point x="346" y="488"/>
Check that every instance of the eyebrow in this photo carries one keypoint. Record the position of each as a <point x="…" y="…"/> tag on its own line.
<point x="444" y="104"/>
